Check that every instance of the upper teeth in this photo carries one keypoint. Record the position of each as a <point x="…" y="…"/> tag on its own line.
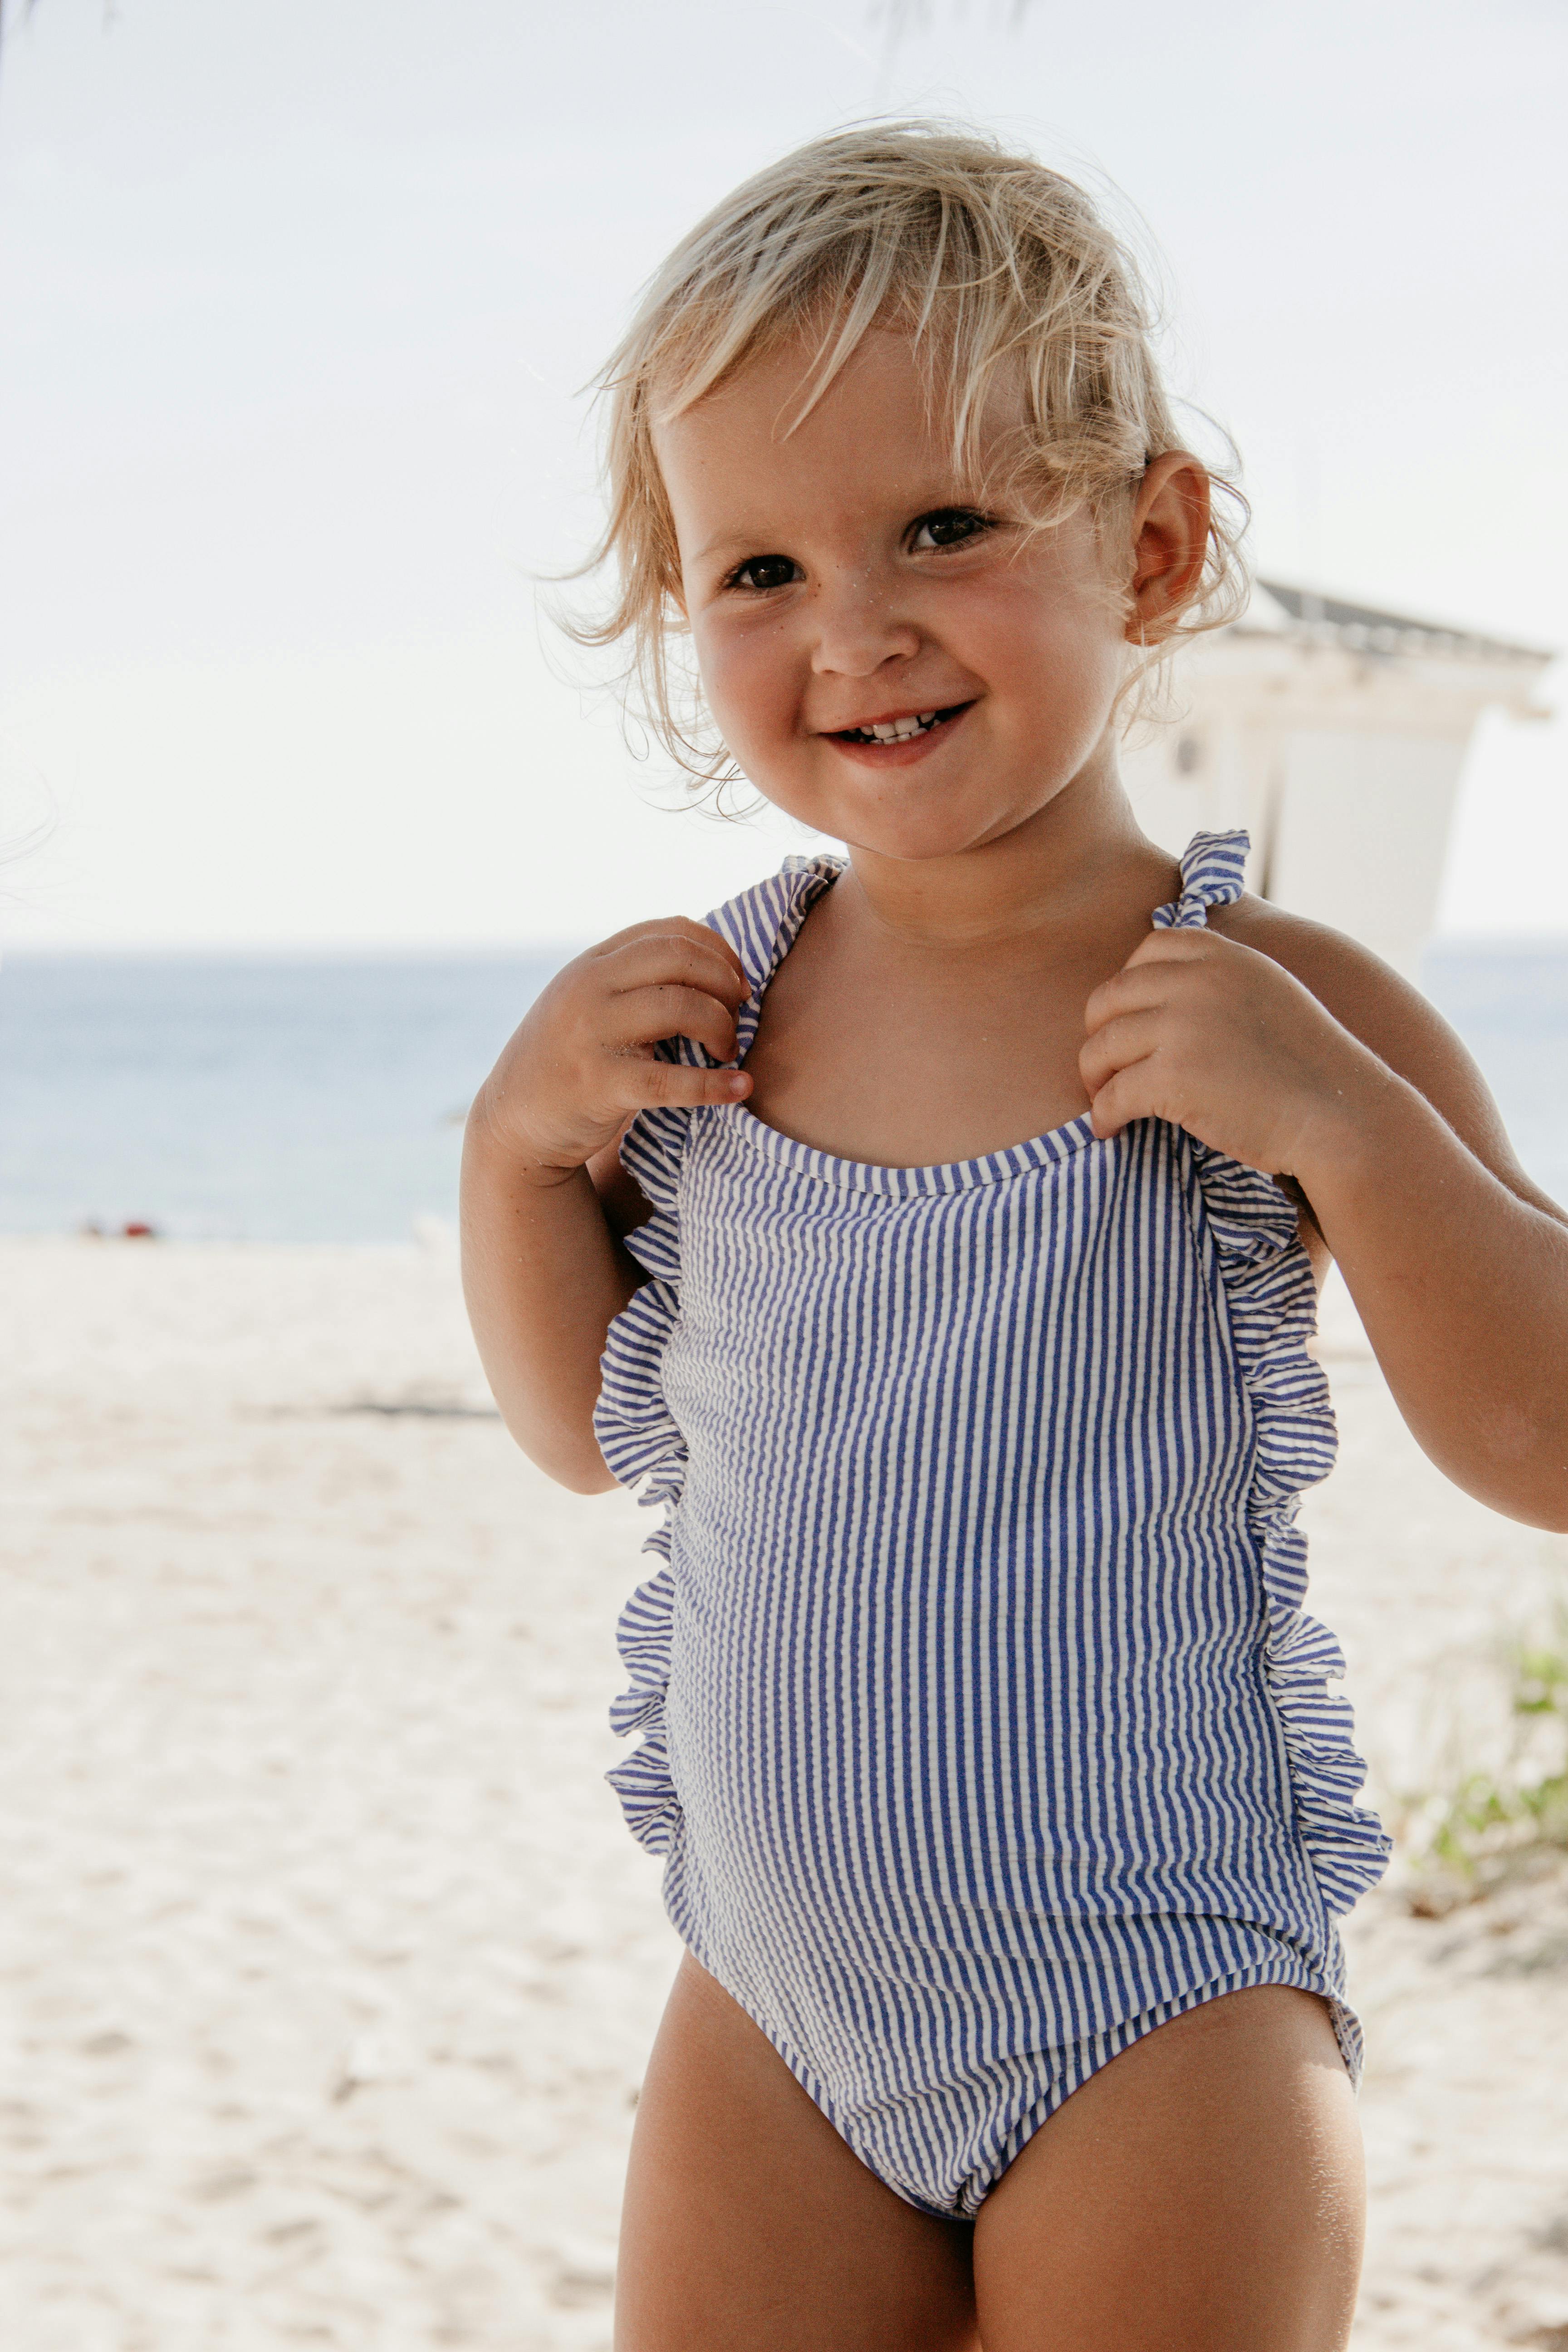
<point x="894" y="730"/>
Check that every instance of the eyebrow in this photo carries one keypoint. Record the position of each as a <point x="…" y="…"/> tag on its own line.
<point x="736" y="543"/>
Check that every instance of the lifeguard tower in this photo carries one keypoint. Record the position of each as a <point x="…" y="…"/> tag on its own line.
<point x="1335" y="734"/>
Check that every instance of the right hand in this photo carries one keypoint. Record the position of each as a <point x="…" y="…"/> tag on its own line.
<point x="582" y="1062"/>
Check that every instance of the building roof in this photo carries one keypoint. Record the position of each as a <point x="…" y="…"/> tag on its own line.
<point x="1278" y="608"/>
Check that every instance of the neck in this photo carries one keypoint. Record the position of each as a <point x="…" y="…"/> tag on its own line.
<point x="1071" y="856"/>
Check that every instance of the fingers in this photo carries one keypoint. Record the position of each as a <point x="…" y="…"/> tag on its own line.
<point x="1176" y="947"/>
<point x="1126" y="1038"/>
<point x="583" y="1061"/>
<point x="1124" y="1096"/>
<point x="707" y="962"/>
<point x="1159" y="967"/>
<point x="642" y="1016"/>
<point x="670" y="979"/>
<point x="658" y="1086"/>
<point x="1128" y="991"/>
<point x="673" y="949"/>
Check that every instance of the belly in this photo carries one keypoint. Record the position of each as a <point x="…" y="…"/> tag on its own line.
<point x="1064" y="1720"/>
<point x="966" y="1597"/>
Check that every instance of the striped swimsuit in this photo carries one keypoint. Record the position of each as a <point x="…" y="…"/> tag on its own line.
<point x="982" y="1730"/>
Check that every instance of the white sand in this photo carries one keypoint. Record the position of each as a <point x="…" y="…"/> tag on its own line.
<point x="329" y="1968"/>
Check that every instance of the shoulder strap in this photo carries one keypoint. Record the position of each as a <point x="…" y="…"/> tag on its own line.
<point x="762" y="926"/>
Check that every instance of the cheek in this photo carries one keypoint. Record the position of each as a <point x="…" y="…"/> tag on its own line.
<point x="1068" y="633"/>
<point x="1060" y="663"/>
<point x="747" y="676"/>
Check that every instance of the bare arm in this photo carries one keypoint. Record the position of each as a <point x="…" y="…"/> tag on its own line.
<point x="1299" y="1053"/>
<point x="544" y="1202"/>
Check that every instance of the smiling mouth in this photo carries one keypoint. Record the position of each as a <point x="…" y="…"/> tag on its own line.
<point x="899" y="731"/>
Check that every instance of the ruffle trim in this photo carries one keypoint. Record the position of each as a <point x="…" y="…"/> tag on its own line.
<point x="1272" y="1300"/>
<point x="642" y="1443"/>
<point x="636" y="1431"/>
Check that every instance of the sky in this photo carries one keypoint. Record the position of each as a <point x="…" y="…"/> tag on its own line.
<point x="297" y="302"/>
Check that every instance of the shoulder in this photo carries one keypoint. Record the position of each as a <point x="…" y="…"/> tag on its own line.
<point x="1361" y="992"/>
<point x="1370" y="1000"/>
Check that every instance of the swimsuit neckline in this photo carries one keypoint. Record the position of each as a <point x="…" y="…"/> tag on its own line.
<point x="1057" y="1144"/>
<point x="812" y="878"/>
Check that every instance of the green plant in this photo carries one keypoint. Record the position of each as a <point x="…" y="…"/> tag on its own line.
<point x="1488" y="1824"/>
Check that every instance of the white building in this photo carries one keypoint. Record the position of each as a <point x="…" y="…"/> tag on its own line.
<point x="1335" y="735"/>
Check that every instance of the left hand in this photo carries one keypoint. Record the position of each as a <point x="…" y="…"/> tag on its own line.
<point x="1222" y="1041"/>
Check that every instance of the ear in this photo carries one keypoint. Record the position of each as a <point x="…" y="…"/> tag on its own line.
<point x="1170" y="533"/>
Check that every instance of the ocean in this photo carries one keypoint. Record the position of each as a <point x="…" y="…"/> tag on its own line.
<point x="246" y="1099"/>
<point x="322" y="1099"/>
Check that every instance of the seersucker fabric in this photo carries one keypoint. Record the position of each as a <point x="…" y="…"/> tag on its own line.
<point x="982" y="1725"/>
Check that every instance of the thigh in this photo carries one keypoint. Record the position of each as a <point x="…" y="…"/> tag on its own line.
<point x="750" y="2227"/>
<point x="1203" y="2192"/>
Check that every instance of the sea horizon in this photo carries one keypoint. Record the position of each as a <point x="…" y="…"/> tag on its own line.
<point x="522" y="950"/>
<point x="317" y="1096"/>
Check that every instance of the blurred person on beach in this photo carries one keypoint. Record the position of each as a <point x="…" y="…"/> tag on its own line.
<point x="934" y="1235"/>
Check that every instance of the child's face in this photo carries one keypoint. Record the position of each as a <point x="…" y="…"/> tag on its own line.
<point x="842" y="576"/>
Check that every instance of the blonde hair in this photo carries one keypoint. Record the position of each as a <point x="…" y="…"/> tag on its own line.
<point x="993" y="263"/>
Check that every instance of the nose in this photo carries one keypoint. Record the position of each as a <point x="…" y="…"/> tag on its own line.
<point x="860" y="626"/>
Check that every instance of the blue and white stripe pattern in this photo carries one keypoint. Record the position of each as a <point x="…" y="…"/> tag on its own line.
<point x="982" y="1725"/>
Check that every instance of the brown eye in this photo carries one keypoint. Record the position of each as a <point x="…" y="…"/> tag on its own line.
<point x="763" y="572"/>
<point x="948" y="527"/>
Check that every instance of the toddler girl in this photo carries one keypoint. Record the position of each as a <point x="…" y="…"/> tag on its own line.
<point x="933" y="1232"/>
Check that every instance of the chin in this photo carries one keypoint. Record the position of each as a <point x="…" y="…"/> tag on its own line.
<point x="914" y="811"/>
<point x="915" y="841"/>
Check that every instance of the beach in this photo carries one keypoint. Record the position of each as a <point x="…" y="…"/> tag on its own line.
<point x="330" y="1966"/>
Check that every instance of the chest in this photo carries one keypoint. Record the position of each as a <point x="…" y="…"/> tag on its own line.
<point x="1048" y="1306"/>
<point x="898" y="1056"/>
